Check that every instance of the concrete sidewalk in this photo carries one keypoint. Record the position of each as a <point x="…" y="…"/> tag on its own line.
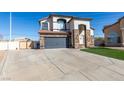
<point x="60" y="64"/>
<point x="119" y="48"/>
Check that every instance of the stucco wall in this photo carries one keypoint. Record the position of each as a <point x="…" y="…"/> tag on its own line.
<point x="87" y="23"/>
<point x="91" y="32"/>
<point x="14" y="45"/>
<point x="5" y="45"/>
<point x="26" y="44"/>
<point x="77" y="22"/>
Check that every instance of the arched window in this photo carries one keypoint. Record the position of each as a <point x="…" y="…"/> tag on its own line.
<point x="81" y="28"/>
<point x="113" y="37"/>
<point x="61" y="24"/>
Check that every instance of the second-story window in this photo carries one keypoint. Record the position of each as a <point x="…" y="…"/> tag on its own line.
<point x="61" y="24"/>
<point x="45" y="26"/>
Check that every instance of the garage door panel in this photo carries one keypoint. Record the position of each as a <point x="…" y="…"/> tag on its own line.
<point x="55" y="42"/>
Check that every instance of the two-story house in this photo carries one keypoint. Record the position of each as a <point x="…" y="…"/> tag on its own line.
<point x="114" y="33"/>
<point x="60" y="31"/>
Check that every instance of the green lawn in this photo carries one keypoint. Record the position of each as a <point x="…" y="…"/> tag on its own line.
<point x="113" y="53"/>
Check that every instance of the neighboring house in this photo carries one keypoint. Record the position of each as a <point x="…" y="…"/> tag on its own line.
<point x="60" y="31"/>
<point x="25" y="43"/>
<point x="114" y="34"/>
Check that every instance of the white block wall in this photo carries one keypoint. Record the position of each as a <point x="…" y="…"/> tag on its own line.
<point x="3" y="45"/>
<point x="9" y="45"/>
<point x="14" y="45"/>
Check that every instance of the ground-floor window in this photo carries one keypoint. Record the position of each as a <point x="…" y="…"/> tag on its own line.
<point x="113" y="37"/>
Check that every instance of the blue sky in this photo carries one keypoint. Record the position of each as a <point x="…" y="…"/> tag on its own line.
<point x="25" y="24"/>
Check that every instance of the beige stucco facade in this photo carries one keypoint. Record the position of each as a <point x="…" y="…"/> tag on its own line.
<point x="26" y="44"/>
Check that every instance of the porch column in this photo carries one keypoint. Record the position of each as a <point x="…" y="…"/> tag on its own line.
<point x="76" y="38"/>
<point x="42" y="42"/>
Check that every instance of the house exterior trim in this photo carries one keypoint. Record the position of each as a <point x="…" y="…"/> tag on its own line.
<point x="52" y="33"/>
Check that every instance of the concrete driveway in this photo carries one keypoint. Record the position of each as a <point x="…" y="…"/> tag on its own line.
<point x="1" y="55"/>
<point x="59" y="64"/>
